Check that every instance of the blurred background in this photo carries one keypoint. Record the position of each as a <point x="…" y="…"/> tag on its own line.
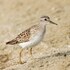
<point x="18" y="15"/>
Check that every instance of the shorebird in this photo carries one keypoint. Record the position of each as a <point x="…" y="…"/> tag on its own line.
<point x="31" y="36"/>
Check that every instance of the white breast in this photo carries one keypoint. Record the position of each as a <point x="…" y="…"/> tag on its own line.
<point x="34" y="41"/>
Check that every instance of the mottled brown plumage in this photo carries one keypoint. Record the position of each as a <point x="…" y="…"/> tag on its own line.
<point x="24" y="36"/>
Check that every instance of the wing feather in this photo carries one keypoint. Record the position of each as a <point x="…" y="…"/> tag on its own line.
<point x="22" y="37"/>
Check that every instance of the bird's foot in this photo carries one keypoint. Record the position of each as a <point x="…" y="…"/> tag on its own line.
<point x="20" y="62"/>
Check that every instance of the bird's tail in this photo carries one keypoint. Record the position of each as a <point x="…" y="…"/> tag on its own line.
<point x="12" y="42"/>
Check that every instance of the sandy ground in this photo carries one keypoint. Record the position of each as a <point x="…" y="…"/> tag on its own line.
<point x="53" y="53"/>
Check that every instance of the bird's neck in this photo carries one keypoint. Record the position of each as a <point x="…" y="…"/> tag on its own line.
<point x="42" y="27"/>
<point x="43" y="24"/>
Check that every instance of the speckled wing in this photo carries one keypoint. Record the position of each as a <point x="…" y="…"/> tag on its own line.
<point x="24" y="36"/>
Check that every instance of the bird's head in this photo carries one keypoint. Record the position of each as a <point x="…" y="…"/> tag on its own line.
<point x="46" y="19"/>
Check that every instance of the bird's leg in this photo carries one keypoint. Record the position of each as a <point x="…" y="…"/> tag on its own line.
<point x="20" y="54"/>
<point x="30" y="50"/>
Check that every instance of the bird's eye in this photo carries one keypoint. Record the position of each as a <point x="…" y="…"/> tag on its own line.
<point x="45" y="19"/>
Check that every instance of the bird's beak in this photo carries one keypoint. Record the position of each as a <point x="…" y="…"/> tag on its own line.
<point x="52" y="22"/>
